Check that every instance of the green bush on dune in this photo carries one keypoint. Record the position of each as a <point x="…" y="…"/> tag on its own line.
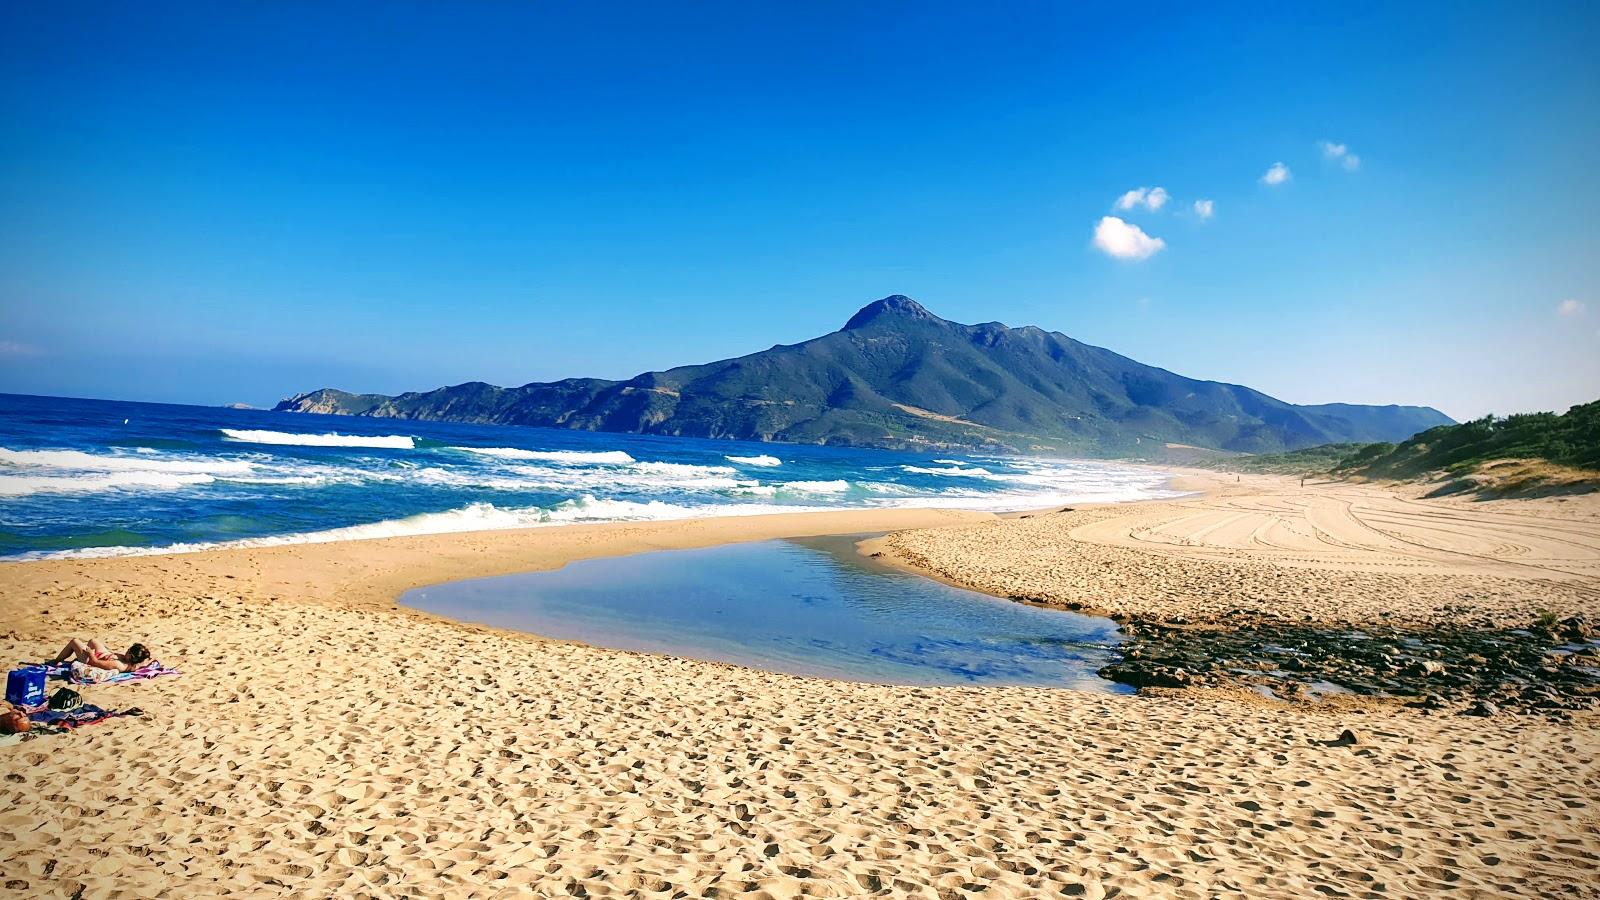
<point x="1570" y="439"/>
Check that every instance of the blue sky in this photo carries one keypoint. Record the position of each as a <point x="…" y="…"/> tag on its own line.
<point x="236" y="202"/>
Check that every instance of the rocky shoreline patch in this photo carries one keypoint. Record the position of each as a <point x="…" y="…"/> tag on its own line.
<point x="1549" y="667"/>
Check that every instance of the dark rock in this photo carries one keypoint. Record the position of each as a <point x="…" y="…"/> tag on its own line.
<point x="1424" y="668"/>
<point x="1147" y="675"/>
<point x="1444" y="667"/>
<point x="1576" y="628"/>
<point x="1346" y="738"/>
<point x="1481" y="708"/>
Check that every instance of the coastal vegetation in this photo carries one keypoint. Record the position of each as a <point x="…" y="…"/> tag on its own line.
<point x="1499" y="452"/>
<point x="1307" y="461"/>
<point x="1570" y="439"/>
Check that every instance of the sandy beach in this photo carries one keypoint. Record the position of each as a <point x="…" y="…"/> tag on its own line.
<point x="1329" y="552"/>
<point x="325" y="742"/>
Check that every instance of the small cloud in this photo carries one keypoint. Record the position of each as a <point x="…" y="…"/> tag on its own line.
<point x="1122" y="240"/>
<point x="1340" y="153"/>
<point x="1278" y="174"/>
<point x="1144" y="302"/>
<point x="1571" y="308"/>
<point x="1204" y="209"/>
<point x="14" y="349"/>
<point x="1150" y="198"/>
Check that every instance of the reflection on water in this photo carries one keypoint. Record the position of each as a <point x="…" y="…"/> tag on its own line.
<point x="812" y="607"/>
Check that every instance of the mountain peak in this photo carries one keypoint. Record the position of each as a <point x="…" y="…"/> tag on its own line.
<point x="894" y="304"/>
<point x="900" y="376"/>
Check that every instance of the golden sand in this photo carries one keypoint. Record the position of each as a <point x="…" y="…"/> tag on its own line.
<point x="1328" y="552"/>
<point x="327" y="743"/>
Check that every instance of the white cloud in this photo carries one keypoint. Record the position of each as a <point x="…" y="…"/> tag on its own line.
<point x="1204" y="209"/>
<point x="1150" y="198"/>
<point x="16" y="348"/>
<point x="1340" y="153"/>
<point x="1125" y="241"/>
<point x="1278" y="174"/>
<point x="1571" y="308"/>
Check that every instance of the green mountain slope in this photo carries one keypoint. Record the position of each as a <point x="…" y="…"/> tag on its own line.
<point x="897" y="375"/>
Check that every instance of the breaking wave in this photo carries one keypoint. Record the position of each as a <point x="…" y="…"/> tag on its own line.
<point x="94" y="462"/>
<point x="285" y="439"/>
<point x="22" y="485"/>
<point x="968" y="472"/>
<point x="569" y="457"/>
<point x="816" y="487"/>
<point x="472" y="517"/>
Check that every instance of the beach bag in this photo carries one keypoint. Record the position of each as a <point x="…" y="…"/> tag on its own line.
<point x="65" y="700"/>
<point x="25" y="686"/>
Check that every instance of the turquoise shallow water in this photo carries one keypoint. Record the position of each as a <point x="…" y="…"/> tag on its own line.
<point x="96" y="477"/>
<point x="812" y="607"/>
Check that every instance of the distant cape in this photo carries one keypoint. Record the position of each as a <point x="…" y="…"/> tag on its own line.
<point x="898" y="376"/>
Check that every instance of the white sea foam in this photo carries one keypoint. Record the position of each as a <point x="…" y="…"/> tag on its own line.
<point x="682" y="470"/>
<point x="568" y="457"/>
<point x="889" y="487"/>
<point x="590" y="509"/>
<point x="93" y="462"/>
<point x="653" y="475"/>
<point x="762" y="460"/>
<point x="968" y="472"/>
<point x="816" y="487"/>
<point x="302" y="480"/>
<point x="555" y="478"/>
<point x="472" y="517"/>
<point x="284" y="438"/>
<point x="22" y="485"/>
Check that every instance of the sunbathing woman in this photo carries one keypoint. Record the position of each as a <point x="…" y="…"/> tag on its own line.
<point x="94" y="661"/>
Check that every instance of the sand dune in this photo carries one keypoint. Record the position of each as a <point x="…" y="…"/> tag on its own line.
<point x="325" y="743"/>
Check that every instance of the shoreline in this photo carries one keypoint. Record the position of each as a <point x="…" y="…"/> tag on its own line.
<point x="396" y="564"/>
<point x="338" y="535"/>
<point x="326" y="741"/>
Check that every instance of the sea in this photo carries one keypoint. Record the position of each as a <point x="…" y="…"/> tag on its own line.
<point x="105" y="478"/>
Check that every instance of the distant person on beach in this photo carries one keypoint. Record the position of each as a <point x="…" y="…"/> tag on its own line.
<point x="92" y="655"/>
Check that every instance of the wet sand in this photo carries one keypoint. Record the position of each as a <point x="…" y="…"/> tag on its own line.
<point x="325" y="742"/>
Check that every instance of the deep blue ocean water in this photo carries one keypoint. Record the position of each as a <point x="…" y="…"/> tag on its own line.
<point x="807" y="607"/>
<point x="95" y="477"/>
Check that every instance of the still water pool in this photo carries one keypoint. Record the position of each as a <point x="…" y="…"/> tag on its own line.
<point x="802" y="607"/>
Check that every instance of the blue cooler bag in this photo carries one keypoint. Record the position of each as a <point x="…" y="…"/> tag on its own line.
<point x="25" y="686"/>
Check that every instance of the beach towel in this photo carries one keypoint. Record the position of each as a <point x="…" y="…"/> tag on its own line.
<point x="55" y="721"/>
<point x="151" y="669"/>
